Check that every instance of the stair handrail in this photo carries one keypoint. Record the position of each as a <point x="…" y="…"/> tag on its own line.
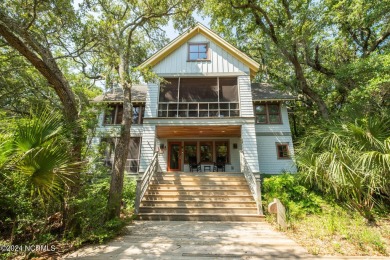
<point x="143" y="183"/>
<point x="253" y="182"/>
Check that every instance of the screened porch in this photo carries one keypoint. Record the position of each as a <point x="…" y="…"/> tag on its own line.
<point x="199" y="97"/>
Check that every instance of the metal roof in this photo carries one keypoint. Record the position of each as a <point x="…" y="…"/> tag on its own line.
<point x="266" y="92"/>
<point x="138" y="94"/>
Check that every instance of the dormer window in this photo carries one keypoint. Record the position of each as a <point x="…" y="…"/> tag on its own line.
<point x="198" y="51"/>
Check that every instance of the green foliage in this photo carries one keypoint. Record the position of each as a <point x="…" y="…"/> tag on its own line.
<point x="129" y="192"/>
<point x="38" y="150"/>
<point x="350" y="161"/>
<point x="340" y="229"/>
<point x="92" y="204"/>
<point x="342" y="48"/>
<point x="297" y="199"/>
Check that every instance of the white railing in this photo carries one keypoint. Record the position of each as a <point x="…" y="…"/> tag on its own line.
<point x="143" y="183"/>
<point x="198" y="109"/>
<point x="253" y="182"/>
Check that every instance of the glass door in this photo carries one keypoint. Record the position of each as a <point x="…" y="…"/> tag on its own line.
<point x="174" y="156"/>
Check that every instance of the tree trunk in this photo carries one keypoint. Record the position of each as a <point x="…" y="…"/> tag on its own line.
<point x="42" y="59"/>
<point x="305" y="87"/>
<point x="122" y="148"/>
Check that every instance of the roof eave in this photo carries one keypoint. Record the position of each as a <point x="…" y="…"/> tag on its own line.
<point x="274" y="99"/>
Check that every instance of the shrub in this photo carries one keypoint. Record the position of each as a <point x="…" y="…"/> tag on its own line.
<point x="351" y="161"/>
<point x="129" y="190"/>
<point x="295" y="197"/>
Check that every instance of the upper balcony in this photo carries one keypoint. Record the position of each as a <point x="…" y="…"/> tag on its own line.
<point x="199" y="97"/>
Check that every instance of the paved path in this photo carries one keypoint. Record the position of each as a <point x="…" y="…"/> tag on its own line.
<point x="199" y="240"/>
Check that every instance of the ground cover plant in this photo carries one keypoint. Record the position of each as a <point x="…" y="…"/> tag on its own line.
<point x="324" y="225"/>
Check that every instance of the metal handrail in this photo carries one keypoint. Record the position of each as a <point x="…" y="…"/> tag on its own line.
<point x="143" y="183"/>
<point x="253" y="182"/>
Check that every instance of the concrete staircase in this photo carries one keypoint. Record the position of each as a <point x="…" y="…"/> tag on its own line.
<point x="199" y="196"/>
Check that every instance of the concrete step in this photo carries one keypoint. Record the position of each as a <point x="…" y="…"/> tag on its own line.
<point x="196" y="187"/>
<point x="199" y="210"/>
<point x="199" y="192"/>
<point x="194" y="203"/>
<point x="164" y="197"/>
<point x="200" y="217"/>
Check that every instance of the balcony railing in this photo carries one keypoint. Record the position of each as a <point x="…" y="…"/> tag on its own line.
<point x="198" y="109"/>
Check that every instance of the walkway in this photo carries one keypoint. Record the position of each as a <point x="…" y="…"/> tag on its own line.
<point x="196" y="240"/>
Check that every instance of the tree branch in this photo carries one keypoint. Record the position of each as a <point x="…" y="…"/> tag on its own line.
<point x="42" y="59"/>
<point x="379" y="40"/>
<point x="316" y="64"/>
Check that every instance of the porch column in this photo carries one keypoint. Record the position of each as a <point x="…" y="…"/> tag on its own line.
<point x="151" y="100"/>
<point x="246" y="107"/>
<point x="249" y="146"/>
<point x="148" y="147"/>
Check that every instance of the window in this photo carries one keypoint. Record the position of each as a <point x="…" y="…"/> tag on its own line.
<point x="113" y="114"/>
<point x="268" y="114"/>
<point x="282" y="151"/>
<point x="138" y="114"/>
<point x="132" y="162"/>
<point x="222" y="151"/>
<point x="206" y="152"/>
<point x="107" y="149"/>
<point x="197" y="51"/>
<point x="190" y="152"/>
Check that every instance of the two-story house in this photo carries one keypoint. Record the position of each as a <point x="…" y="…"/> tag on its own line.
<point x="205" y="116"/>
<point x="206" y="109"/>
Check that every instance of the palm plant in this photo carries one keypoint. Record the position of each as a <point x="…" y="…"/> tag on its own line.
<point x="39" y="151"/>
<point x="351" y="161"/>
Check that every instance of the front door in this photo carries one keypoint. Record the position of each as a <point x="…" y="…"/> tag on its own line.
<point x="174" y="156"/>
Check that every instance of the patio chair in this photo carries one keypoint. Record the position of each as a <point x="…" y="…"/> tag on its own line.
<point x="220" y="164"/>
<point x="193" y="164"/>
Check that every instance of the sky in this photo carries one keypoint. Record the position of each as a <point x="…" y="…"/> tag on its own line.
<point x="172" y="33"/>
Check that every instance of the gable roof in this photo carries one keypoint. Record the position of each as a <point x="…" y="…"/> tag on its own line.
<point x="199" y="28"/>
<point x="265" y="92"/>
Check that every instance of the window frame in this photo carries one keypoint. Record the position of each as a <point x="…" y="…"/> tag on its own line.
<point x="141" y="114"/>
<point x="288" y="156"/>
<point x="198" y="43"/>
<point x="116" y="110"/>
<point x="267" y="113"/>
<point x="114" y="113"/>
